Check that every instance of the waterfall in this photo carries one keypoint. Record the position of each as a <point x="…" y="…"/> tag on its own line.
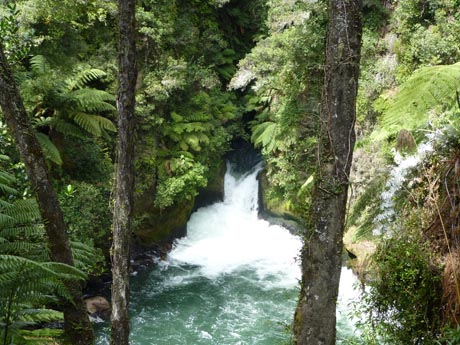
<point x="396" y="180"/>
<point x="232" y="280"/>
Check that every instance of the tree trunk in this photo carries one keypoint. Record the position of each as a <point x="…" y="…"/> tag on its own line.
<point x="125" y="173"/>
<point x="78" y="329"/>
<point x="315" y="317"/>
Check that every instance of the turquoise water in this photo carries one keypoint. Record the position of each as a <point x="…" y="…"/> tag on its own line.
<point x="232" y="281"/>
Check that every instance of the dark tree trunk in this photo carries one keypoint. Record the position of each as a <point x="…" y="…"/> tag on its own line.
<point x="78" y="329"/>
<point x="315" y="317"/>
<point x="125" y="173"/>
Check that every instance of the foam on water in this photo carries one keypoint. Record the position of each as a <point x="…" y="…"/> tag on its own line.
<point x="226" y="237"/>
<point x="398" y="176"/>
<point x="232" y="280"/>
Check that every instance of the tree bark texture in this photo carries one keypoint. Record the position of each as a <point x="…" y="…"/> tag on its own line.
<point x="78" y="329"/>
<point x="124" y="174"/>
<point x="315" y="317"/>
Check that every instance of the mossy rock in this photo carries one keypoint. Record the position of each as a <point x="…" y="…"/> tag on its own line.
<point x="276" y="212"/>
<point x="158" y="227"/>
<point x="214" y="191"/>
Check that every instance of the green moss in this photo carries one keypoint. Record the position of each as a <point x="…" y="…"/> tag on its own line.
<point x="157" y="227"/>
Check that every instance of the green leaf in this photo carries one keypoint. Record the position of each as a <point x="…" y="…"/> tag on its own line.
<point x="264" y="135"/>
<point x="50" y="151"/>
<point x="428" y="89"/>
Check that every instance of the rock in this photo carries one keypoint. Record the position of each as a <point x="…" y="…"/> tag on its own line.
<point x="98" y="306"/>
<point x="405" y="142"/>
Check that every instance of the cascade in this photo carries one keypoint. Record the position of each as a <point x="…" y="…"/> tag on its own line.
<point x="232" y="280"/>
<point x="396" y="180"/>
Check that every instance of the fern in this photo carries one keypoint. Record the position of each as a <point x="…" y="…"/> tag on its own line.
<point x="68" y="128"/>
<point x="366" y="208"/>
<point x="26" y="284"/>
<point x="39" y="65"/>
<point x="83" y="77"/>
<point x="75" y="108"/>
<point x="429" y="89"/>
<point x="264" y="134"/>
<point x="94" y="124"/>
<point x="92" y="100"/>
<point x="6" y="180"/>
<point x="50" y="150"/>
<point x="28" y="279"/>
<point x="189" y="132"/>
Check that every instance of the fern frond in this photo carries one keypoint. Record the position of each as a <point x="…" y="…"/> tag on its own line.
<point x="27" y="232"/>
<point x="6" y="180"/>
<point x="83" y="77"/>
<point x="23" y="211"/>
<point x="50" y="151"/>
<point x="52" y="269"/>
<point x="93" y="124"/>
<point x="39" y="65"/>
<point x="264" y="135"/>
<point x="68" y="128"/>
<point x="43" y="122"/>
<point x="428" y="89"/>
<point x="42" y="336"/>
<point x="92" y="100"/>
<point x="5" y="219"/>
<point x="19" y="247"/>
<point x="39" y="315"/>
<point x="198" y="117"/>
<point x="84" y="255"/>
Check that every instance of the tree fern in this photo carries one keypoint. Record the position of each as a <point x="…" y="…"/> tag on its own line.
<point x="92" y="100"/>
<point x="66" y="103"/>
<point x="191" y="132"/>
<point x="93" y="124"/>
<point x="39" y="65"/>
<point x="68" y="128"/>
<point x="28" y="279"/>
<point x="25" y="287"/>
<point x="264" y="134"/>
<point x="81" y="78"/>
<point x="429" y="89"/>
<point x="5" y="181"/>
<point x="50" y="150"/>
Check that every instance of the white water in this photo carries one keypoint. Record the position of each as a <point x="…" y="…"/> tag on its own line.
<point x="396" y="180"/>
<point x="232" y="280"/>
<point x="228" y="236"/>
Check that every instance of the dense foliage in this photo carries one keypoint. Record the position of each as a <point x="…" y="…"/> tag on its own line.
<point x="283" y="75"/>
<point x="31" y="285"/>
<point x="408" y="90"/>
<point x="210" y="72"/>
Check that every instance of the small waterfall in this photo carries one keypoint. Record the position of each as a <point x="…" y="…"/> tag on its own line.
<point x="226" y="237"/>
<point x="398" y="176"/>
<point x="232" y="280"/>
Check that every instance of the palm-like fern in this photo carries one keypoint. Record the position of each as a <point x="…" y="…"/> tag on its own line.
<point x="28" y="280"/>
<point x="428" y="89"/>
<point x="265" y="134"/>
<point x="67" y="106"/>
<point x="189" y="133"/>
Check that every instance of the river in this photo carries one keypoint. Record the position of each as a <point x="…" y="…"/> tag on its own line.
<point x="233" y="280"/>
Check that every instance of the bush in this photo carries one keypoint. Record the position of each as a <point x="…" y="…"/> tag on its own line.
<point x="404" y="301"/>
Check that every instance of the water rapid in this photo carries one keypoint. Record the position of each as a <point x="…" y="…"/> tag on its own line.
<point x="232" y="280"/>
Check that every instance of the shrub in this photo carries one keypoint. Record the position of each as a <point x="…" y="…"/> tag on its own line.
<point x="404" y="301"/>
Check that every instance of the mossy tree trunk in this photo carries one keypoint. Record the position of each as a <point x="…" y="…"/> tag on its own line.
<point x="315" y="317"/>
<point x="78" y="329"/>
<point x="125" y="173"/>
